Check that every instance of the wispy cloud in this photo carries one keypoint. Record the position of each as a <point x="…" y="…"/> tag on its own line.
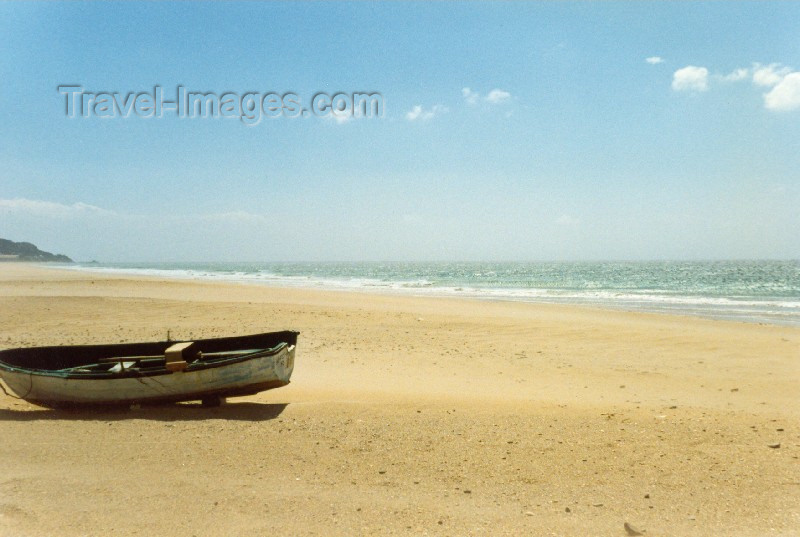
<point x="234" y="216"/>
<point x="471" y="97"/>
<point x="51" y="209"/>
<point x="769" y="75"/>
<point x="418" y="113"/>
<point x="568" y="221"/>
<point x="654" y="60"/>
<point x="498" y="96"/>
<point x="495" y="96"/>
<point x="339" y="119"/>
<point x="690" y="78"/>
<point x="736" y="75"/>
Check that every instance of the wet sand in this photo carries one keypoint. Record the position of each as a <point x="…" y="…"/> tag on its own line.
<point x="408" y="416"/>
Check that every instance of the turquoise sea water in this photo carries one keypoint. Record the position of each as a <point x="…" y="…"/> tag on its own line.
<point x="752" y="291"/>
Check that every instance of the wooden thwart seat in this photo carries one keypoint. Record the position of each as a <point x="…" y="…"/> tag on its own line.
<point x="175" y="355"/>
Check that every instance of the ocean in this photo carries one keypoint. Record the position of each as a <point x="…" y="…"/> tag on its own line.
<point x="749" y="291"/>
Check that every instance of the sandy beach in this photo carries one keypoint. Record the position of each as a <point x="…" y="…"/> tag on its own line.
<point x="408" y="416"/>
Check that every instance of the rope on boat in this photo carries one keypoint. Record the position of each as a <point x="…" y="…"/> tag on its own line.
<point x="3" y="387"/>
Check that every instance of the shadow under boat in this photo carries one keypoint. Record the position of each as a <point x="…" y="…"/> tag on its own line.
<point x="243" y="411"/>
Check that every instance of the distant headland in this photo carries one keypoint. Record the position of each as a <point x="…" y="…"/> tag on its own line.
<point x="25" y="251"/>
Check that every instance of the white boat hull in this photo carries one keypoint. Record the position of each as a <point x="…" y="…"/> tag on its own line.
<point x="239" y="378"/>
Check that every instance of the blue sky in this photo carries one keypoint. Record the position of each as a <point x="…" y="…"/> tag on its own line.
<point x="523" y="131"/>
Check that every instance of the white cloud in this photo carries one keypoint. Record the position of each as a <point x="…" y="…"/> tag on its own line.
<point x="340" y="119"/>
<point x="414" y="113"/>
<point x="654" y="60"/>
<point x="470" y="96"/>
<point x="769" y="75"/>
<point x="782" y="82"/>
<point x="51" y="209"/>
<point x="736" y="75"/>
<point x="419" y="113"/>
<point x="567" y="220"/>
<point x="497" y="96"/>
<point x="785" y="96"/>
<point x="690" y="78"/>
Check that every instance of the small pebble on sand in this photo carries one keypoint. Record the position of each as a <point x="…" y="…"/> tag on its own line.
<point x="630" y="530"/>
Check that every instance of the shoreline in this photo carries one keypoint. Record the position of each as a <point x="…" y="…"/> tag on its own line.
<point x="409" y="415"/>
<point x="377" y="293"/>
<point x="717" y="308"/>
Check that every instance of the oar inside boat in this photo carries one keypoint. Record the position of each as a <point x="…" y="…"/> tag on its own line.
<point x="206" y="356"/>
<point x="176" y="357"/>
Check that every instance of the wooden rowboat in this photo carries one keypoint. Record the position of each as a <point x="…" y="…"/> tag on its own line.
<point x="167" y="371"/>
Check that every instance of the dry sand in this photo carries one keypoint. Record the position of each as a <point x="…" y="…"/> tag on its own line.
<point x="408" y="416"/>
